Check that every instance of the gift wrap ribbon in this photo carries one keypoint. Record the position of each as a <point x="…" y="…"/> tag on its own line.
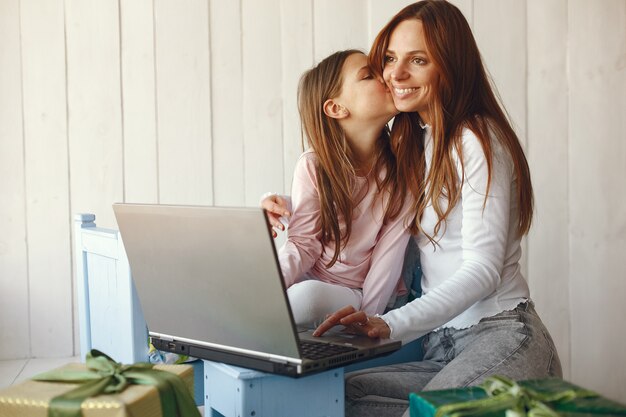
<point x="506" y="394"/>
<point x="105" y="376"/>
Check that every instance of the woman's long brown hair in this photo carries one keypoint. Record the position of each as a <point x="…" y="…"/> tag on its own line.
<point x="336" y="166"/>
<point x="464" y="98"/>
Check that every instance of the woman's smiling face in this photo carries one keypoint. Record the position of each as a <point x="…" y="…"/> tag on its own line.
<point x="409" y="71"/>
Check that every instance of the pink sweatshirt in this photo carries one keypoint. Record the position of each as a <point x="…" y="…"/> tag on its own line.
<point x="372" y="259"/>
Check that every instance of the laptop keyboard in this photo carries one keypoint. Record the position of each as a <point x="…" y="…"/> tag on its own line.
<point x="319" y="350"/>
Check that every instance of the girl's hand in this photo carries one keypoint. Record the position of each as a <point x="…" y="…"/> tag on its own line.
<point x="356" y="322"/>
<point x="276" y="207"/>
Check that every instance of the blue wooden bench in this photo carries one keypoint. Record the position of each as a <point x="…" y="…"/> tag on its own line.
<point x="111" y="320"/>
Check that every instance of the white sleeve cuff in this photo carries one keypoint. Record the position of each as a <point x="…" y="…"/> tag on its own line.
<point x="383" y="318"/>
<point x="265" y="195"/>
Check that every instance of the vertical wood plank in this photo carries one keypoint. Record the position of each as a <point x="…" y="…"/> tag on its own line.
<point x="94" y="109"/>
<point x="94" y="105"/>
<point x="339" y="25"/>
<point x="13" y="250"/>
<point x="548" y="242"/>
<point x="297" y="57"/>
<point x="183" y="102"/>
<point x="138" y="97"/>
<point x="227" y="103"/>
<point x="47" y="184"/>
<point x="262" y="98"/>
<point x="380" y="13"/>
<point x="597" y="168"/>
<point x="500" y="31"/>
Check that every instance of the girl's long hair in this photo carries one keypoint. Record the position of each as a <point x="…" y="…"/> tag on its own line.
<point x="336" y="167"/>
<point x="464" y="98"/>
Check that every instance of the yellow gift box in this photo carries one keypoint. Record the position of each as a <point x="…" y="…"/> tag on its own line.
<point x="31" y="398"/>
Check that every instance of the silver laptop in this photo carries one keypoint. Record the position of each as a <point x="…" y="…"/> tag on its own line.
<point x="210" y="286"/>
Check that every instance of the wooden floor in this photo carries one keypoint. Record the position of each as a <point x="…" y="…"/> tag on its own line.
<point x="17" y="370"/>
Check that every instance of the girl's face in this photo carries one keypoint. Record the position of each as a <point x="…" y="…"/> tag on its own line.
<point x="409" y="72"/>
<point x="365" y="96"/>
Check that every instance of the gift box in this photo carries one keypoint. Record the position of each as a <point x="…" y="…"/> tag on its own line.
<point x="32" y="398"/>
<point x="551" y="396"/>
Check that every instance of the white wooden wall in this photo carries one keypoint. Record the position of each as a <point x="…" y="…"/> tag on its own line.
<point x="193" y="102"/>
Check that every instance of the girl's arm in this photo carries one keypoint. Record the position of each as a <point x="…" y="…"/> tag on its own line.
<point x="485" y="231"/>
<point x="386" y="264"/>
<point x="303" y="246"/>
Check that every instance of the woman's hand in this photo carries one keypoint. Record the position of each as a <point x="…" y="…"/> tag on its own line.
<point x="356" y="322"/>
<point x="276" y="207"/>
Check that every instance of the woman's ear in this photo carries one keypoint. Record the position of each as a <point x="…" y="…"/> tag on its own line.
<point x="335" y="110"/>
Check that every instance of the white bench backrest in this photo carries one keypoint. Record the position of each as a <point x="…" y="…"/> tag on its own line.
<point x="110" y="316"/>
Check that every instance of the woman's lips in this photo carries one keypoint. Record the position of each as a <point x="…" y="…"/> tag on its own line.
<point x="401" y="92"/>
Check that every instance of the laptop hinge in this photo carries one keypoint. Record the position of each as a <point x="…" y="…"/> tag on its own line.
<point x="162" y="336"/>
<point x="278" y="359"/>
<point x="284" y="360"/>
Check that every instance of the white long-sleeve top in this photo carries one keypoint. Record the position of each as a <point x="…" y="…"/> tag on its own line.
<point x="372" y="257"/>
<point x="474" y="270"/>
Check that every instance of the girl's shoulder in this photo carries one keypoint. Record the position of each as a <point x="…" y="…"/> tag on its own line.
<point x="307" y="159"/>
<point x="308" y="155"/>
<point x="306" y="165"/>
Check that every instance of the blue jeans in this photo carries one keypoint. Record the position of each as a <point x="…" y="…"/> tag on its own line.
<point x="513" y="343"/>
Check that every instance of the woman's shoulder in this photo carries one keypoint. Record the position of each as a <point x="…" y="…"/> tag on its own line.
<point x="486" y="129"/>
<point x="473" y="145"/>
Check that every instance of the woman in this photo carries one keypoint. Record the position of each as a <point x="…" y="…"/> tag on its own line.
<point x="465" y="167"/>
<point x="349" y="172"/>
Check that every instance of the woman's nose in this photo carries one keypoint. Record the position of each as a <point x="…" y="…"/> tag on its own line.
<point x="399" y="72"/>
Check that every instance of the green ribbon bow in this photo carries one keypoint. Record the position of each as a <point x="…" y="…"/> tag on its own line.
<point x="105" y="376"/>
<point x="518" y="401"/>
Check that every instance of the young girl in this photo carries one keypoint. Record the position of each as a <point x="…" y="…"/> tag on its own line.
<point x="465" y="167"/>
<point x="347" y="232"/>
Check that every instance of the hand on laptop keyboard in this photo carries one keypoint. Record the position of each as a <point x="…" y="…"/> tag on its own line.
<point x="356" y="322"/>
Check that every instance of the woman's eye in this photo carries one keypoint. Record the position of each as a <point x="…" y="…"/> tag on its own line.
<point x="419" y="61"/>
<point x="368" y="77"/>
<point x="389" y="58"/>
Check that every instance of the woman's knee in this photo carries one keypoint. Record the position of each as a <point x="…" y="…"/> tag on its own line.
<point x="364" y="399"/>
<point x="353" y="388"/>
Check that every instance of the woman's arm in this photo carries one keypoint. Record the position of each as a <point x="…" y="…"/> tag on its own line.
<point x="485" y="231"/>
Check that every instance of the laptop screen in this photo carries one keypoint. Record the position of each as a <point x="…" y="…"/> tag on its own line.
<point x="208" y="274"/>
